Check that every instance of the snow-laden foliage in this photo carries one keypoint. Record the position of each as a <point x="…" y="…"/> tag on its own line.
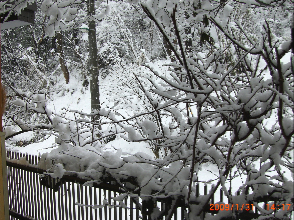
<point x="227" y="100"/>
<point x="13" y="6"/>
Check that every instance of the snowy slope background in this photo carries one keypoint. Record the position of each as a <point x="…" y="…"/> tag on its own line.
<point x="74" y="96"/>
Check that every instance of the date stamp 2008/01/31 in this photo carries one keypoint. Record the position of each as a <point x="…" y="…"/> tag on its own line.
<point x="246" y="207"/>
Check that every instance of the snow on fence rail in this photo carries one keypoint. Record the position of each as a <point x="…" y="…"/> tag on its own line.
<point x="35" y="196"/>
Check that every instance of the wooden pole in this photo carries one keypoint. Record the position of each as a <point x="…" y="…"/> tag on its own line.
<point x="1" y="90"/>
<point x="4" y="209"/>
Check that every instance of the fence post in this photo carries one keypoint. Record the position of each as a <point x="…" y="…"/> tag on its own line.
<point x="4" y="209"/>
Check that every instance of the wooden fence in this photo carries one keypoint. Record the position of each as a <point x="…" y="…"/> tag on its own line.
<point x="33" y="197"/>
<point x="30" y="198"/>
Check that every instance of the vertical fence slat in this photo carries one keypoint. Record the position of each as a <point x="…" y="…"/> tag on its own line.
<point x="91" y="195"/>
<point x="19" y="189"/>
<point x="182" y="213"/>
<point x="131" y="209"/>
<point x="36" y="190"/>
<point x="47" y="203"/>
<point x="10" y="187"/>
<point x="30" y="198"/>
<point x="205" y="189"/>
<point x="86" y="208"/>
<point x="41" y="209"/>
<point x="69" y="203"/>
<point x="31" y="183"/>
<point x="26" y="184"/>
<point x="15" y="188"/>
<point x="114" y="204"/>
<point x="126" y="203"/>
<point x="100" y="202"/>
<point x="43" y="198"/>
<point x="120" y="212"/>
<point x="25" y="193"/>
<point x="64" y="209"/>
<point x="73" y="186"/>
<point x="221" y="195"/>
<point x="52" y="202"/>
<point x="23" y="189"/>
<point x="79" y="199"/>
<point x="137" y="212"/>
<point x="109" y="202"/>
<point x="82" y="202"/>
<point x="212" y="199"/>
<point x="39" y="199"/>
<point x="34" y="199"/>
<point x="60" y="202"/>
<point x="105" y="207"/>
<point x="95" y="203"/>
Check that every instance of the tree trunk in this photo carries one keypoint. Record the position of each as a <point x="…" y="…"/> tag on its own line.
<point x="93" y="61"/>
<point x="61" y="57"/>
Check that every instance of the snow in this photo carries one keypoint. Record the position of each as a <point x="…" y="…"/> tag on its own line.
<point x="103" y="13"/>
<point x="206" y="5"/>
<point x="245" y="95"/>
<point x="19" y="102"/>
<point x="227" y="11"/>
<point x="35" y="148"/>
<point x="150" y="128"/>
<point x="288" y="125"/>
<point x="242" y="130"/>
<point x="58" y="171"/>
<point x="132" y="134"/>
<point x="69" y="145"/>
